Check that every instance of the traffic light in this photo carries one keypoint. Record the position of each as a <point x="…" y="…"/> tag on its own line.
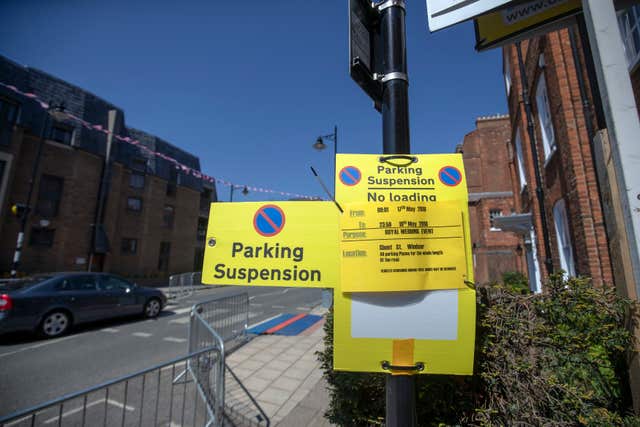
<point x="19" y="209"/>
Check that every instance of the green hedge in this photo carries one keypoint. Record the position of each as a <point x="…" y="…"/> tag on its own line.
<point x="546" y="359"/>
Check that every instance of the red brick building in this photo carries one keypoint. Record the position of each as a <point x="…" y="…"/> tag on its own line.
<point x="151" y="217"/>
<point x="484" y="152"/>
<point x="563" y="145"/>
<point x="560" y="146"/>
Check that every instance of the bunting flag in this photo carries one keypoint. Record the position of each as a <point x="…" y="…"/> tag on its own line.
<point x="128" y="140"/>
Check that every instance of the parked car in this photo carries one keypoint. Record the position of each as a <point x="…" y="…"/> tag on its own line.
<point x="51" y="303"/>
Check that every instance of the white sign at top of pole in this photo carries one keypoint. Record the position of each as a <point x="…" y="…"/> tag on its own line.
<point x="444" y="13"/>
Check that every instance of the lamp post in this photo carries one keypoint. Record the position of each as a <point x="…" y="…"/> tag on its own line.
<point x="245" y="191"/>
<point x="327" y="294"/>
<point x="58" y="114"/>
<point x="320" y="145"/>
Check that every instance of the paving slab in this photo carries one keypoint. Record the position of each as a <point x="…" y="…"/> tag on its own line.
<point x="282" y="372"/>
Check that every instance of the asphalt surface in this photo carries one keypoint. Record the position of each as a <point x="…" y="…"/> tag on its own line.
<point x="33" y="370"/>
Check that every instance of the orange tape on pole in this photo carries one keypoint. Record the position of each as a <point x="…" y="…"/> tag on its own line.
<point x="403" y="355"/>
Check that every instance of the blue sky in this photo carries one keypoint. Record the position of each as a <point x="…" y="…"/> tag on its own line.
<point x="249" y="85"/>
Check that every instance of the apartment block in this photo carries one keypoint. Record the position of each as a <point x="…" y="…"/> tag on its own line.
<point x="96" y="202"/>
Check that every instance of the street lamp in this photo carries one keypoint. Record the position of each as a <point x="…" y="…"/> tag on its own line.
<point x="245" y="191"/>
<point x="57" y="113"/>
<point x="327" y="294"/>
<point x="320" y="145"/>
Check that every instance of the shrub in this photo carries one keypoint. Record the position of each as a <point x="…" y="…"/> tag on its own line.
<point x="541" y="359"/>
<point x="516" y="281"/>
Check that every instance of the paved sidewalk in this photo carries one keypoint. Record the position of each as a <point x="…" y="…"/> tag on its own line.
<point x="283" y="374"/>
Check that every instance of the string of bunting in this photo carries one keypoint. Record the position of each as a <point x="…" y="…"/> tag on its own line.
<point x="131" y="141"/>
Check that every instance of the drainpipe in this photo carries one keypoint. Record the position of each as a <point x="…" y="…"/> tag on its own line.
<point x="548" y="262"/>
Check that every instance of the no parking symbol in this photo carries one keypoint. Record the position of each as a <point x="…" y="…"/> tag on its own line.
<point x="269" y="220"/>
<point x="450" y="176"/>
<point x="350" y="175"/>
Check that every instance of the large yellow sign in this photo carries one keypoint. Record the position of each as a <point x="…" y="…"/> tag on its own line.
<point x="435" y="328"/>
<point x="272" y="244"/>
<point x="403" y="246"/>
<point x="430" y="190"/>
<point x="431" y="331"/>
<point x="522" y="20"/>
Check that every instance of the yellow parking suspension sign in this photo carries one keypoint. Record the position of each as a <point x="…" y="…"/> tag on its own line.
<point x="406" y="222"/>
<point x="402" y="246"/>
<point x="272" y="244"/>
<point x="386" y="326"/>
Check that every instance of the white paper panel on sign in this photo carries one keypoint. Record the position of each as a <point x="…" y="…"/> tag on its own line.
<point x="444" y="13"/>
<point x="429" y="315"/>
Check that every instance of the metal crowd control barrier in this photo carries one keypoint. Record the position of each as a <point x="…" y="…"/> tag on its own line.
<point x="182" y="285"/>
<point x="228" y="316"/>
<point x="159" y="395"/>
<point x="146" y="398"/>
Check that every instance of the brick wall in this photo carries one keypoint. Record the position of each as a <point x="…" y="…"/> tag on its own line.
<point x="80" y="167"/>
<point x="569" y="172"/>
<point x="486" y="161"/>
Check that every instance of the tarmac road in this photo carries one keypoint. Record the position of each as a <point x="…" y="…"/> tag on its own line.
<point x="33" y="370"/>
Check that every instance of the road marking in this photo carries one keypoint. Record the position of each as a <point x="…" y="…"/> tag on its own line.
<point x="110" y="330"/>
<point x="255" y="314"/>
<point x="182" y="310"/>
<point x="181" y="320"/>
<point x="256" y="305"/>
<point x="264" y="320"/>
<point x="94" y="403"/>
<point x="278" y="306"/>
<point x="282" y="292"/>
<point x="303" y="308"/>
<point x="172" y="339"/>
<point x="141" y="334"/>
<point x="38" y="345"/>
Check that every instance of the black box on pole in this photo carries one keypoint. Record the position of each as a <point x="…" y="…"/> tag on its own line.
<point x="365" y="49"/>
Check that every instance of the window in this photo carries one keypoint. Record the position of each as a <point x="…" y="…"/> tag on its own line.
<point x="520" y="160"/>
<point x="630" y="31"/>
<point x="168" y="214"/>
<point x="110" y="283"/>
<point x="507" y="71"/>
<point x="494" y="213"/>
<point x="544" y="116"/>
<point x="564" y="238"/>
<point x="8" y="117"/>
<point x="136" y="180"/>
<point x="205" y="200"/>
<point x="61" y="133"/>
<point x="129" y="246"/>
<point x="138" y="164"/>
<point x="138" y="168"/>
<point x="41" y="237"/>
<point x="163" y="258"/>
<point x="202" y="229"/>
<point x="172" y="182"/>
<point x="77" y="283"/>
<point x="134" y="204"/>
<point x="49" y="195"/>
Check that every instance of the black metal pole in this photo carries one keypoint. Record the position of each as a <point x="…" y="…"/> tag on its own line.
<point x="395" y="92"/>
<point x="400" y="389"/>
<point x="23" y="223"/>
<point x="548" y="262"/>
<point x="231" y="188"/>
<point x="335" y="153"/>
